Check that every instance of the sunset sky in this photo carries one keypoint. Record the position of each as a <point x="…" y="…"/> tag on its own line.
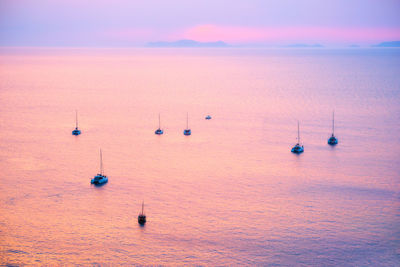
<point x="253" y="22"/>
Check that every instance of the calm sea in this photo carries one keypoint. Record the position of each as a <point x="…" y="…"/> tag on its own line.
<point x="232" y="193"/>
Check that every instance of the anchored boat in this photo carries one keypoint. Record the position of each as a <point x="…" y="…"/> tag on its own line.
<point x="159" y="131"/>
<point x="187" y="131"/>
<point x="333" y="140"/>
<point x="298" y="149"/>
<point x="76" y="131"/>
<point x="142" y="216"/>
<point x="100" y="178"/>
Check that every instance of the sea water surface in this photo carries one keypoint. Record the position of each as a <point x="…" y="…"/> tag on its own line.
<point x="232" y="193"/>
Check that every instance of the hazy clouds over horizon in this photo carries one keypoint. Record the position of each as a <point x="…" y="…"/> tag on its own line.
<point x="134" y="23"/>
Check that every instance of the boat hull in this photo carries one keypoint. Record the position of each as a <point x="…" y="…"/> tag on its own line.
<point x="141" y="219"/>
<point x="97" y="180"/>
<point x="297" y="149"/>
<point x="332" y="141"/>
<point x="76" y="132"/>
<point x="159" y="132"/>
<point x="187" y="132"/>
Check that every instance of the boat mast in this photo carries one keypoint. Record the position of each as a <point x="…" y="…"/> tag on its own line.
<point x="187" y="120"/>
<point x="159" y="121"/>
<point x="333" y="123"/>
<point x="76" y="119"/>
<point x="101" y="162"/>
<point x="142" y="207"/>
<point x="298" y="132"/>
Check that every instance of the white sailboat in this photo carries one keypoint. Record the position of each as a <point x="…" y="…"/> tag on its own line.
<point x="142" y="216"/>
<point x="76" y="131"/>
<point x="297" y="149"/>
<point x="100" y="178"/>
<point x="159" y="131"/>
<point x="187" y="131"/>
<point x="333" y="140"/>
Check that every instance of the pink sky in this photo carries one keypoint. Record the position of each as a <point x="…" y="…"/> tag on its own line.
<point x="262" y="35"/>
<point x="136" y="22"/>
<point x="235" y="34"/>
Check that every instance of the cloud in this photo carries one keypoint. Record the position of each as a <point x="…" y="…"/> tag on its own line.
<point x="240" y="34"/>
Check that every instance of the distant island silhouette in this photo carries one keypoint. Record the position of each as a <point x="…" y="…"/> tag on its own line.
<point x="388" y="44"/>
<point x="187" y="43"/>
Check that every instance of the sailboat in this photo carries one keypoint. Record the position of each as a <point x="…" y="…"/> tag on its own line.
<point x="142" y="216"/>
<point x="187" y="131"/>
<point x="76" y="131"/>
<point x="333" y="140"/>
<point x="159" y="131"/>
<point x="208" y="117"/>
<point x="297" y="149"/>
<point x="100" y="178"/>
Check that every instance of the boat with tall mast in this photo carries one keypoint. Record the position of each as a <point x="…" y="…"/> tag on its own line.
<point x="333" y="140"/>
<point x="142" y="216"/>
<point x="100" y="178"/>
<point x="297" y="149"/>
<point x="76" y="131"/>
<point x="187" y="131"/>
<point x="159" y="131"/>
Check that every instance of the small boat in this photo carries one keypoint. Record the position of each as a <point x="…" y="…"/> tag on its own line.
<point x="208" y="117"/>
<point x="142" y="217"/>
<point x="76" y="131"/>
<point x="187" y="131"/>
<point x="159" y="131"/>
<point x="333" y="140"/>
<point x="100" y="178"/>
<point x="298" y="149"/>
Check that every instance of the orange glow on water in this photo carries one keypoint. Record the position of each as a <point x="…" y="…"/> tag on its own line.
<point x="229" y="194"/>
